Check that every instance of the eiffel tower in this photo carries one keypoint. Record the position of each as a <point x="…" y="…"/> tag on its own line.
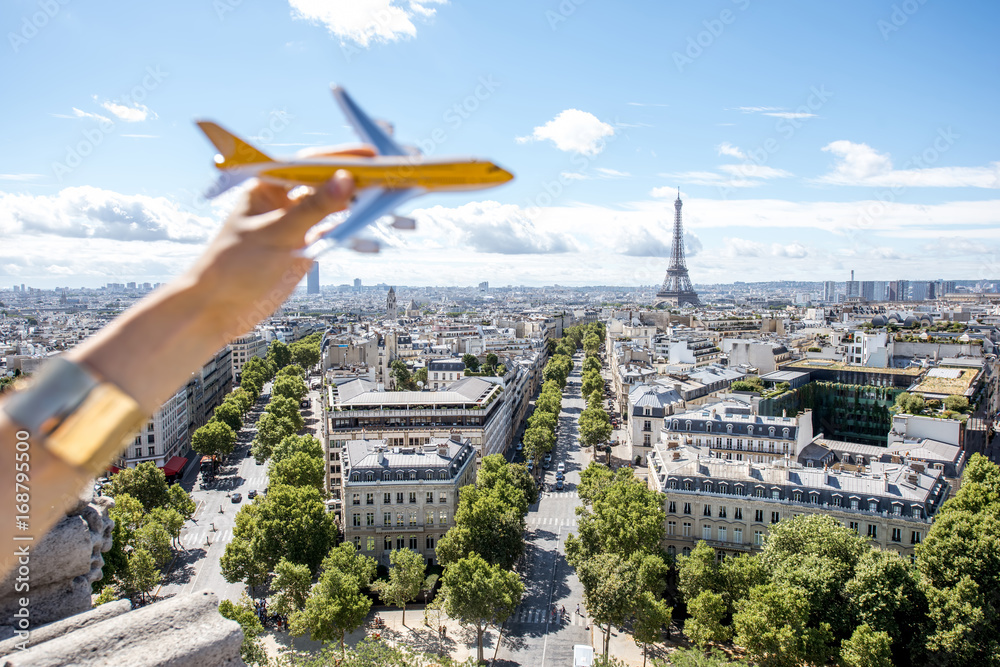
<point x="677" y="289"/>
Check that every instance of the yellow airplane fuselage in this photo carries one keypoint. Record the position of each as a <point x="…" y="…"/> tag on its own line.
<point x="441" y="175"/>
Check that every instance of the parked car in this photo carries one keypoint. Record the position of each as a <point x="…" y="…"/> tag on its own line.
<point x="251" y="494"/>
<point x="560" y="475"/>
<point x="559" y="485"/>
<point x="547" y="458"/>
<point x="561" y="467"/>
<point x="519" y="447"/>
<point x="237" y="498"/>
<point x="531" y="466"/>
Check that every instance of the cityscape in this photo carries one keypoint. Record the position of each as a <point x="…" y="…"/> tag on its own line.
<point x="710" y="378"/>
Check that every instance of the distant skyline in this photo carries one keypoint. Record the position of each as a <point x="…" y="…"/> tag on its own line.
<point x="807" y="139"/>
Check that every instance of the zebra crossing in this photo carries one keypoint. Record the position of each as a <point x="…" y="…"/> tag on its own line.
<point x="562" y="494"/>
<point x="549" y="521"/>
<point x="541" y="615"/>
<point x="197" y="537"/>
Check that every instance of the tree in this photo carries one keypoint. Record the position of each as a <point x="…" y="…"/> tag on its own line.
<point x="738" y="576"/>
<point x="242" y="398"/>
<point x="698" y="572"/>
<point x="401" y="375"/>
<point x="169" y="518"/>
<point x="866" y="648"/>
<point x="229" y="413"/>
<point x="592" y="381"/>
<point x="626" y="518"/>
<point x="772" y="625"/>
<point x="142" y="575"/>
<point x="479" y="594"/>
<point x="299" y="469"/>
<point x="145" y="482"/>
<point x="651" y="615"/>
<point x="692" y="657"/>
<point x="908" y="403"/>
<point x="285" y="408"/>
<point x="215" y="438"/>
<point x="293" y="444"/>
<point x="279" y="355"/>
<point x="885" y="594"/>
<point x="335" y="607"/>
<point x="594" y="479"/>
<point x="549" y="401"/>
<point x="956" y="403"/>
<point x="487" y="524"/>
<point x="609" y="590"/>
<point x="291" y="370"/>
<point x="346" y="559"/>
<point x="591" y="364"/>
<point x="420" y="377"/>
<point x="271" y="430"/>
<point x="305" y="355"/>
<point x="537" y="443"/>
<point x="706" y="612"/>
<point x="491" y="360"/>
<point x="252" y="649"/>
<point x="290" y="587"/>
<point x="264" y="369"/>
<point x="542" y="419"/>
<point x="595" y="427"/>
<point x="494" y="471"/>
<point x="591" y="343"/>
<point x="290" y="386"/>
<point x="471" y="362"/>
<point x="239" y="563"/>
<point x="406" y="579"/>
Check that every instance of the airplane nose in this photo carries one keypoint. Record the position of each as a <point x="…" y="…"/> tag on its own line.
<point x="500" y="175"/>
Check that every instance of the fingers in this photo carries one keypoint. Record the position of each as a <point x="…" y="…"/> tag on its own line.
<point x="266" y="197"/>
<point x="333" y="196"/>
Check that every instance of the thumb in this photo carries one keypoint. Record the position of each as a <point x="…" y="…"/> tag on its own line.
<point x="332" y="196"/>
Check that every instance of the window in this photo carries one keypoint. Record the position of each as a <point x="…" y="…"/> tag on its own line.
<point x="356" y="499"/>
<point x="442" y="517"/>
<point x="687" y="508"/>
<point x="413" y="542"/>
<point x="387" y="543"/>
<point x="647" y="425"/>
<point x="759" y="491"/>
<point x="386" y="518"/>
<point x="686" y="551"/>
<point x="873" y="506"/>
<point x="853" y="525"/>
<point x="370" y="544"/>
<point x="429" y="518"/>
<point x="837" y="501"/>
<point x="897" y="535"/>
<point x="369" y="476"/>
<point x="854" y="503"/>
<point x="413" y="474"/>
<point x="738" y="513"/>
<point x="687" y="485"/>
<point x="443" y="474"/>
<point x="673" y="484"/>
<point x="706" y="487"/>
<point x="369" y="499"/>
<point x="151" y="450"/>
<point x="399" y="498"/>
<point x="370" y="519"/>
<point x="357" y="542"/>
<point x="897" y="510"/>
<point x="687" y="529"/>
<point x="758" y="516"/>
<point x="430" y="542"/>
<point x="430" y="474"/>
<point x="413" y="518"/>
<point x="758" y="538"/>
<point x="443" y="497"/>
<point x="775" y="517"/>
<point x="413" y="497"/>
<point x="150" y="439"/>
<point x="722" y="512"/>
<point x="915" y="537"/>
<point x="399" y="519"/>
<point x="386" y="498"/>
<point x="722" y="534"/>
<point x="357" y="520"/>
<point x="797" y="496"/>
<point x="671" y="527"/>
<point x="646" y="440"/>
<point x="400" y="542"/>
<point x="672" y="507"/>
<point x="738" y="535"/>
<point x="430" y="497"/>
<point x="706" y="532"/>
<point x="873" y="531"/>
<point x="707" y="511"/>
<point x="918" y="512"/>
<point x="356" y="477"/>
<point x="776" y="494"/>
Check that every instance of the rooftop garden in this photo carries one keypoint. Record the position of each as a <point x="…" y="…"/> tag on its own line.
<point x="943" y="385"/>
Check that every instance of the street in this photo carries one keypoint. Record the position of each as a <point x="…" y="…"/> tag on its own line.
<point x="533" y="636"/>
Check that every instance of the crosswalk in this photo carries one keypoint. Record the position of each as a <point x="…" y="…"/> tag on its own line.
<point x="541" y="615"/>
<point x="197" y="536"/>
<point x="562" y="494"/>
<point x="549" y="521"/>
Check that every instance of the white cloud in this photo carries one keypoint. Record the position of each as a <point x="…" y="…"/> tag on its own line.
<point x="736" y="248"/>
<point x="19" y="177"/>
<point x="791" y="115"/>
<point x="726" y="148"/>
<point x="860" y="164"/>
<point x="758" y="109"/>
<point x="134" y="113"/>
<point x="365" y="21"/>
<point x="573" y="131"/>
<point x="78" y="113"/>
<point x="709" y="178"/>
<point x="574" y="176"/>
<point x="612" y="173"/>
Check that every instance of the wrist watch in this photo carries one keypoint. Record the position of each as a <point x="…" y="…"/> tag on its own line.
<point x="84" y="421"/>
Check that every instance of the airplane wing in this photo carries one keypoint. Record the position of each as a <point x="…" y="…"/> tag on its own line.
<point x="371" y="205"/>
<point x="369" y="131"/>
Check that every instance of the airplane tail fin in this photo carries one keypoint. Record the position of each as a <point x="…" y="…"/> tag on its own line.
<point x="235" y="151"/>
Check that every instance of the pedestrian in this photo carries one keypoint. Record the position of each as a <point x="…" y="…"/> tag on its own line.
<point x="577" y="608"/>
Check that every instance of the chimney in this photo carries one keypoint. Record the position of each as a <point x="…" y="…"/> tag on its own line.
<point x="380" y="456"/>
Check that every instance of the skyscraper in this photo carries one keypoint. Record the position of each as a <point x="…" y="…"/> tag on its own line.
<point x="677" y="289"/>
<point x="830" y="291"/>
<point x="868" y="290"/>
<point x="312" y="282"/>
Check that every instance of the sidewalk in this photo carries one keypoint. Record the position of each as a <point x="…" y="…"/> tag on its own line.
<point x="457" y="642"/>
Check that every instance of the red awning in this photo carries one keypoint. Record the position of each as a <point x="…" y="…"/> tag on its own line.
<point x="113" y="469"/>
<point x="174" y="465"/>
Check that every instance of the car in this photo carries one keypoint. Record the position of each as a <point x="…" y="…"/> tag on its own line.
<point x="531" y="466"/>
<point x="559" y="485"/>
<point x="545" y="463"/>
<point x="560" y="475"/>
<point x="251" y="494"/>
<point x="561" y="467"/>
<point x="519" y="447"/>
<point x="237" y="498"/>
<point x="547" y="458"/>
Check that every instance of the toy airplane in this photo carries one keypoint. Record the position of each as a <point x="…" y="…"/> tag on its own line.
<point x="385" y="174"/>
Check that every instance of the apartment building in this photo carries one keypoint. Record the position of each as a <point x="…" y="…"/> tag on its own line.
<point x="244" y="347"/>
<point x="648" y="406"/>
<point x="403" y="497"/>
<point x="444" y="372"/>
<point x="732" y="431"/>
<point x="731" y="505"/>
<point x="162" y="438"/>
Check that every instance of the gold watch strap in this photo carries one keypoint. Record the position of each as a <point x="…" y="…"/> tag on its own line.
<point x="93" y="435"/>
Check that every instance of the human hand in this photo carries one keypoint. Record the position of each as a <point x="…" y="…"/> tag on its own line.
<point x="252" y="266"/>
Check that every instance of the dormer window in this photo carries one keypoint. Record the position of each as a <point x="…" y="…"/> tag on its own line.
<point x="784" y="433"/>
<point x="370" y="477"/>
<point x="770" y="431"/>
<point x="749" y="430"/>
<point x="729" y="428"/>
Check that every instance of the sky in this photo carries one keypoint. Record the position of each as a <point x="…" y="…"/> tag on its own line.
<point x="807" y="139"/>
